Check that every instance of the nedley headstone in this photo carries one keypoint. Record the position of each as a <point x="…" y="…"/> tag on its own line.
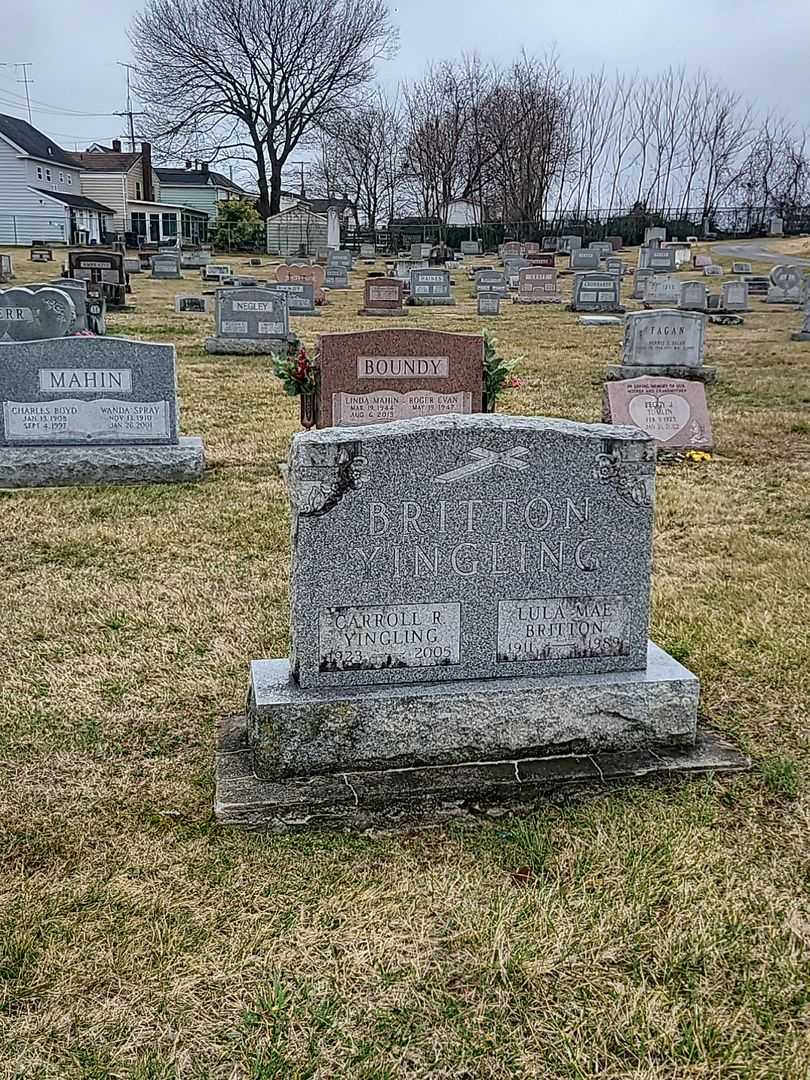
<point x="469" y="598"/>
<point x="249" y="321"/>
<point x="537" y="285"/>
<point x="596" y="292"/>
<point x="383" y="296"/>
<point x="584" y="260"/>
<point x="92" y="410"/>
<point x="191" y="305"/>
<point x="787" y="285"/>
<point x="671" y="411"/>
<point x="664" y="342"/>
<point x="27" y="315"/>
<point x="431" y="286"/>
<point x="373" y="376"/>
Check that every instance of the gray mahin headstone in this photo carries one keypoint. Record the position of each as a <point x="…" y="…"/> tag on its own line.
<point x="34" y="315"/>
<point x="249" y="321"/>
<point x="92" y="410"/>
<point x="469" y="598"/>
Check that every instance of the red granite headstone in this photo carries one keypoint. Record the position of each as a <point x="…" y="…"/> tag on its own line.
<point x="374" y="376"/>
<point x="383" y="296"/>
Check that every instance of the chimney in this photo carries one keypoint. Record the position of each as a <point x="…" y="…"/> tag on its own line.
<point x="188" y="166"/>
<point x="117" y="146"/>
<point x="146" y="162"/>
<point x="203" y="166"/>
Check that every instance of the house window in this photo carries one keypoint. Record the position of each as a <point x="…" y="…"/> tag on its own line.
<point x="70" y="179"/>
<point x="169" y="226"/>
<point x="61" y="178"/>
<point x="39" y="172"/>
<point x="138" y="190"/>
<point x="48" y="175"/>
<point x="139" y="224"/>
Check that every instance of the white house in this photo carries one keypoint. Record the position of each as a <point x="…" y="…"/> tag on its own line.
<point x="40" y="191"/>
<point x="128" y="183"/>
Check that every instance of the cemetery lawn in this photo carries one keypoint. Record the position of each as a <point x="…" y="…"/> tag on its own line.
<point x="647" y="932"/>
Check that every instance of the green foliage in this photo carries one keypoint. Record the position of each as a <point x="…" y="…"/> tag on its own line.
<point x="238" y="223"/>
<point x="297" y="372"/>
<point x="497" y="372"/>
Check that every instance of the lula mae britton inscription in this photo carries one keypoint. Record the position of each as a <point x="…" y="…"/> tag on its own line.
<point x="470" y="547"/>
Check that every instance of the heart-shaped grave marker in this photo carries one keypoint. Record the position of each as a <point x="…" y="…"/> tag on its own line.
<point x="662" y="416"/>
<point x="35" y="316"/>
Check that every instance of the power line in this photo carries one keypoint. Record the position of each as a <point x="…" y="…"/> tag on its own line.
<point x="25" y="80"/>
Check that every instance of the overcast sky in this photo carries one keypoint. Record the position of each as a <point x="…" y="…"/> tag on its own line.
<point x="759" y="47"/>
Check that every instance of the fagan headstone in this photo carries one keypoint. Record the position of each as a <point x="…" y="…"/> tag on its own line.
<point x="537" y="285"/>
<point x="373" y="376"/>
<point x="300" y="296"/>
<point x="597" y="292"/>
<point x="34" y="315"/>
<point x="249" y="321"/>
<point x="664" y="342"/>
<point x="431" y="286"/>
<point x="569" y="244"/>
<point x="671" y="411"/>
<point x="191" y="305"/>
<point x="469" y="622"/>
<point x="383" y="296"/>
<point x="92" y="410"/>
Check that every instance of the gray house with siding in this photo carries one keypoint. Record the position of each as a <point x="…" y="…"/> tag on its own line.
<point x="41" y="195"/>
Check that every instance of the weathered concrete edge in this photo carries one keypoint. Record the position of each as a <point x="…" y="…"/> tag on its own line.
<point x="66" y="466"/>
<point x="398" y="798"/>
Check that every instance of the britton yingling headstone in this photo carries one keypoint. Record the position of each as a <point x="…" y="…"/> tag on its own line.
<point x="92" y="410"/>
<point x="375" y="376"/>
<point x="664" y="342"/>
<point x="469" y="617"/>
<point x="671" y="411"/>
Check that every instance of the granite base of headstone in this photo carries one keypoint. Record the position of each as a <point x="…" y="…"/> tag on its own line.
<point x="469" y="616"/>
<point x="92" y="410"/>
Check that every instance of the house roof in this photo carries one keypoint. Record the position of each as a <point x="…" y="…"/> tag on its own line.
<point x="78" y="202"/>
<point x="198" y="178"/>
<point x="33" y="142"/>
<point x="167" y="206"/>
<point x="104" y="162"/>
<point x="321" y="206"/>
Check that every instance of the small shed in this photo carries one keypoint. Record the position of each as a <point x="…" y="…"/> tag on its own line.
<point x="297" y="231"/>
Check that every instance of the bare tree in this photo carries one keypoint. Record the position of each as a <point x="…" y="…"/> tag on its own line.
<point x="251" y="79"/>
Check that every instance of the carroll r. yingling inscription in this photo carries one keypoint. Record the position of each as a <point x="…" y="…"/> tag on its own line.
<point x="389" y="636"/>
<point x="470" y="538"/>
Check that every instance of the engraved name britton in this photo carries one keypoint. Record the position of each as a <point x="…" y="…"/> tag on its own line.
<point x="470" y="538"/>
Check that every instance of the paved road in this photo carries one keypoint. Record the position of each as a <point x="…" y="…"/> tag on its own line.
<point x="754" y="251"/>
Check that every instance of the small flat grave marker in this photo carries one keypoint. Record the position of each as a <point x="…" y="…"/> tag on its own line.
<point x="671" y="411"/>
<point x="186" y="304"/>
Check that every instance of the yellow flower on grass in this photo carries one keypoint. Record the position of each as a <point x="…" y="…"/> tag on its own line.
<point x="697" y="455"/>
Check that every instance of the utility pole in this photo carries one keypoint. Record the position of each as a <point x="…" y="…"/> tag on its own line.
<point x="303" y="165"/>
<point x="128" y="112"/>
<point x="25" y="81"/>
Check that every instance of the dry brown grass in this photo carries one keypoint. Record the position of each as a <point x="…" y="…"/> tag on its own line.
<point x="658" y="933"/>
